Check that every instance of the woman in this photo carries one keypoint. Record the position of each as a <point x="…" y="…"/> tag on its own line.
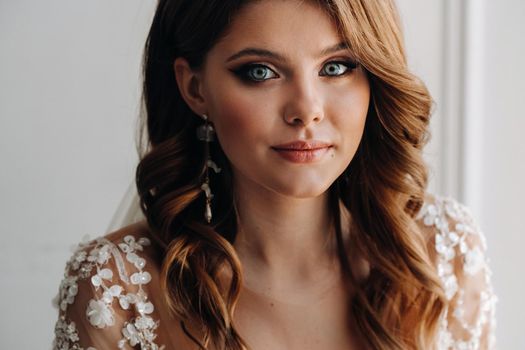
<point x="284" y="194"/>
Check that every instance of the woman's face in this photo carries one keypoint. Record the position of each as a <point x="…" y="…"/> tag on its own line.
<point x="281" y="81"/>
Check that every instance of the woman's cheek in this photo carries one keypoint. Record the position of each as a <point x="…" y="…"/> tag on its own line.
<point x="356" y="100"/>
<point x="237" y="124"/>
<point x="242" y="110"/>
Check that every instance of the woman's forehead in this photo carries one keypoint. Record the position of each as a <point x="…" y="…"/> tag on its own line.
<point x="285" y="27"/>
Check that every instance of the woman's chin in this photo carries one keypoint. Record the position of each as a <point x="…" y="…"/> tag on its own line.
<point x="293" y="184"/>
<point x="301" y="189"/>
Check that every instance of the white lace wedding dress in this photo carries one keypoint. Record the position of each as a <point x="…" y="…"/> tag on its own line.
<point x="110" y="292"/>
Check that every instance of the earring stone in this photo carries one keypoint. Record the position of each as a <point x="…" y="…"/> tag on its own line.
<point x="206" y="133"/>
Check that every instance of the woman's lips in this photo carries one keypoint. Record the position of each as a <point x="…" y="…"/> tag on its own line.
<point x="303" y="145"/>
<point x="302" y="151"/>
<point x="304" y="156"/>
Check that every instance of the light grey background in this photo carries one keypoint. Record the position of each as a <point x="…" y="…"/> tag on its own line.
<point x="69" y="99"/>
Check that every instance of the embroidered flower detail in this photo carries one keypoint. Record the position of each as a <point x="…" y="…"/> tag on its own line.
<point x="113" y="292"/>
<point x="144" y="307"/>
<point x="130" y="245"/>
<point x="144" y="322"/>
<point x="99" y="314"/>
<point x="141" y="277"/>
<point x="450" y="283"/>
<point x="66" y="332"/>
<point x="67" y="292"/>
<point x="133" y="258"/>
<point x="126" y="300"/>
<point x="66" y="336"/>
<point x="446" y="341"/>
<point x="474" y="261"/>
<point x="445" y="247"/>
<point x="79" y="257"/>
<point x="431" y="215"/>
<point x="131" y="334"/>
<point x="104" y="274"/>
<point x="100" y="255"/>
<point x="140" y="331"/>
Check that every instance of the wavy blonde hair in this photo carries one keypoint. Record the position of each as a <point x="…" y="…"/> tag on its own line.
<point x="399" y="305"/>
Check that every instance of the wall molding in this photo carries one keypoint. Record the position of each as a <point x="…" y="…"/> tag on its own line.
<point x="452" y="122"/>
<point x="474" y="82"/>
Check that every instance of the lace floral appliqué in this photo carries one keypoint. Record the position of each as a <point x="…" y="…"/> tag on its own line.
<point x="90" y="260"/>
<point x="458" y="238"/>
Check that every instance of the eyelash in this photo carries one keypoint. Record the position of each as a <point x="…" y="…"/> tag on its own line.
<point x="243" y="71"/>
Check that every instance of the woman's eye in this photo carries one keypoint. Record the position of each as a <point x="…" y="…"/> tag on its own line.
<point x="255" y="73"/>
<point x="338" y="68"/>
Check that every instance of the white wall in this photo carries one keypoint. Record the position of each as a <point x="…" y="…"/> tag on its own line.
<point x="69" y="100"/>
<point x="68" y="103"/>
<point x="422" y="23"/>
<point x="471" y="52"/>
<point x="502" y="167"/>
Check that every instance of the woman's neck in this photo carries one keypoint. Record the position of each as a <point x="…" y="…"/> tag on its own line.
<point x="283" y="241"/>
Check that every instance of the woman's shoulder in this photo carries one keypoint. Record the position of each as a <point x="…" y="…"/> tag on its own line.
<point x="459" y="248"/>
<point x="453" y="232"/>
<point x="120" y="256"/>
<point x="438" y="210"/>
<point x="104" y="292"/>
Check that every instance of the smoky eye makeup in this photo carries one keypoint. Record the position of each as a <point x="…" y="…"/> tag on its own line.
<point x="254" y="72"/>
<point x="258" y="72"/>
<point x="338" y="68"/>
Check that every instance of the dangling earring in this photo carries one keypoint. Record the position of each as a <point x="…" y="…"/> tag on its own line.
<point x="206" y="133"/>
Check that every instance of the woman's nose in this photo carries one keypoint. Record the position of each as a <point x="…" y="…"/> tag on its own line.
<point x="304" y="105"/>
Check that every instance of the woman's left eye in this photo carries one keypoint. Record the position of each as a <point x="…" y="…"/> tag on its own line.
<point x="335" y="68"/>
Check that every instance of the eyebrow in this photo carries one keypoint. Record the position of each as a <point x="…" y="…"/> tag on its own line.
<point x="253" y="51"/>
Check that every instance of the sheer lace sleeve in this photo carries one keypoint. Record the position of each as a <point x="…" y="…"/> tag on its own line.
<point x="469" y="322"/>
<point x="102" y="300"/>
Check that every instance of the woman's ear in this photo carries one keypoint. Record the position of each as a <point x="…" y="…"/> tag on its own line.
<point x="190" y="85"/>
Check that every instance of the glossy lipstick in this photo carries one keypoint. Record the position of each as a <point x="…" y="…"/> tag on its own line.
<point x="303" y="151"/>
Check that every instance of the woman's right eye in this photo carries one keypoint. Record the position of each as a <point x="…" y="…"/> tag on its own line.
<point x="255" y="73"/>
